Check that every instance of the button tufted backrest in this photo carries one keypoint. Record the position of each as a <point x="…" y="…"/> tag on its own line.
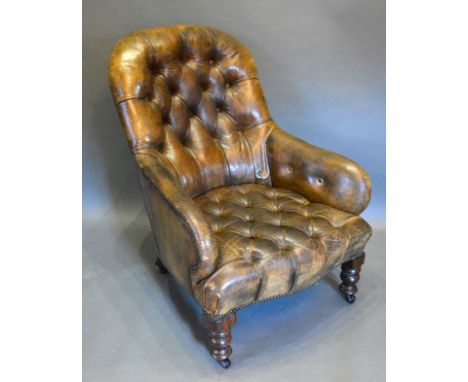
<point x="191" y="96"/>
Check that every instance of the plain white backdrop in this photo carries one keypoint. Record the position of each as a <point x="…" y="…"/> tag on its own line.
<point x="427" y="120"/>
<point x="40" y="282"/>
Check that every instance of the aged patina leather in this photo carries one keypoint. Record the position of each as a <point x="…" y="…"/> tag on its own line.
<point x="241" y="210"/>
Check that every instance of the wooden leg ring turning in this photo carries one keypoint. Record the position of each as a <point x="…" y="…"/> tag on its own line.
<point x="350" y="274"/>
<point x="219" y="338"/>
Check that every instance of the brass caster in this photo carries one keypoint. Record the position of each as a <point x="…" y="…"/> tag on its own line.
<point x="350" y="298"/>
<point x="226" y="363"/>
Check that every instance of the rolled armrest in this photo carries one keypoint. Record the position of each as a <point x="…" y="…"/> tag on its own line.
<point x="184" y="237"/>
<point x="317" y="174"/>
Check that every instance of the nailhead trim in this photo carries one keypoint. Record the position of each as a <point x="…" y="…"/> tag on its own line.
<point x="222" y="316"/>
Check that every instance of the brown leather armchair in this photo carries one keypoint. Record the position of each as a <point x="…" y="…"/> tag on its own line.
<point x="242" y="212"/>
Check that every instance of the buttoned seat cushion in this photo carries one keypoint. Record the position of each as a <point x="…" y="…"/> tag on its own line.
<point x="272" y="242"/>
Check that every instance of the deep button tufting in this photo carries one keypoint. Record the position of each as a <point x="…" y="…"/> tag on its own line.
<point x="173" y="87"/>
<point x="269" y="221"/>
<point x="185" y="57"/>
<point x="175" y="67"/>
<point x="192" y="110"/>
<point x="155" y="69"/>
<point x="256" y="257"/>
<point x="204" y="85"/>
<point x="215" y="56"/>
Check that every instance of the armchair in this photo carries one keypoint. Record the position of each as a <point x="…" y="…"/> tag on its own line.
<point x="241" y="211"/>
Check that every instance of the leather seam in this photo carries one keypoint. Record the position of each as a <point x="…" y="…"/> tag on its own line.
<point x="137" y="149"/>
<point x="293" y="275"/>
<point x="251" y="156"/>
<point x="176" y="171"/>
<point x="155" y="104"/>
<point x="263" y="152"/>
<point x="258" y="124"/>
<point x="196" y="76"/>
<point x="131" y="98"/>
<point x="145" y="202"/>
<point x="230" y="117"/>
<point x="234" y="83"/>
<point x="224" y="153"/>
<point x="121" y="99"/>
<point x="261" y="283"/>
<point x="198" y="164"/>
<point x="226" y="162"/>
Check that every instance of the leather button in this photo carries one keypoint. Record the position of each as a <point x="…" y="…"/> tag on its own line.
<point x="204" y="86"/>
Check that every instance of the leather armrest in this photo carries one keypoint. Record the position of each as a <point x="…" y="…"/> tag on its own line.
<point x="184" y="237"/>
<point x="317" y="174"/>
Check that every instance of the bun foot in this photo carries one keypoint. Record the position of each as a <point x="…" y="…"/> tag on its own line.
<point x="225" y="363"/>
<point x="350" y="298"/>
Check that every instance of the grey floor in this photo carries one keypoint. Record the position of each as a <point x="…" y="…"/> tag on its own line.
<point x="139" y="326"/>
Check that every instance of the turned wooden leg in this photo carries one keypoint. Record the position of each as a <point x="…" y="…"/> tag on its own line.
<point x="350" y="271"/>
<point x="161" y="266"/>
<point x="219" y="338"/>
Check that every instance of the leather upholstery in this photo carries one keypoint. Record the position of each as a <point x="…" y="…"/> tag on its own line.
<point x="193" y="95"/>
<point x="182" y="234"/>
<point x="271" y="242"/>
<point x="196" y="120"/>
<point x="317" y="174"/>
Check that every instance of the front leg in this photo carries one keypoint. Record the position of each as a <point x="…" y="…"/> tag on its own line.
<point x="219" y="337"/>
<point x="350" y="275"/>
